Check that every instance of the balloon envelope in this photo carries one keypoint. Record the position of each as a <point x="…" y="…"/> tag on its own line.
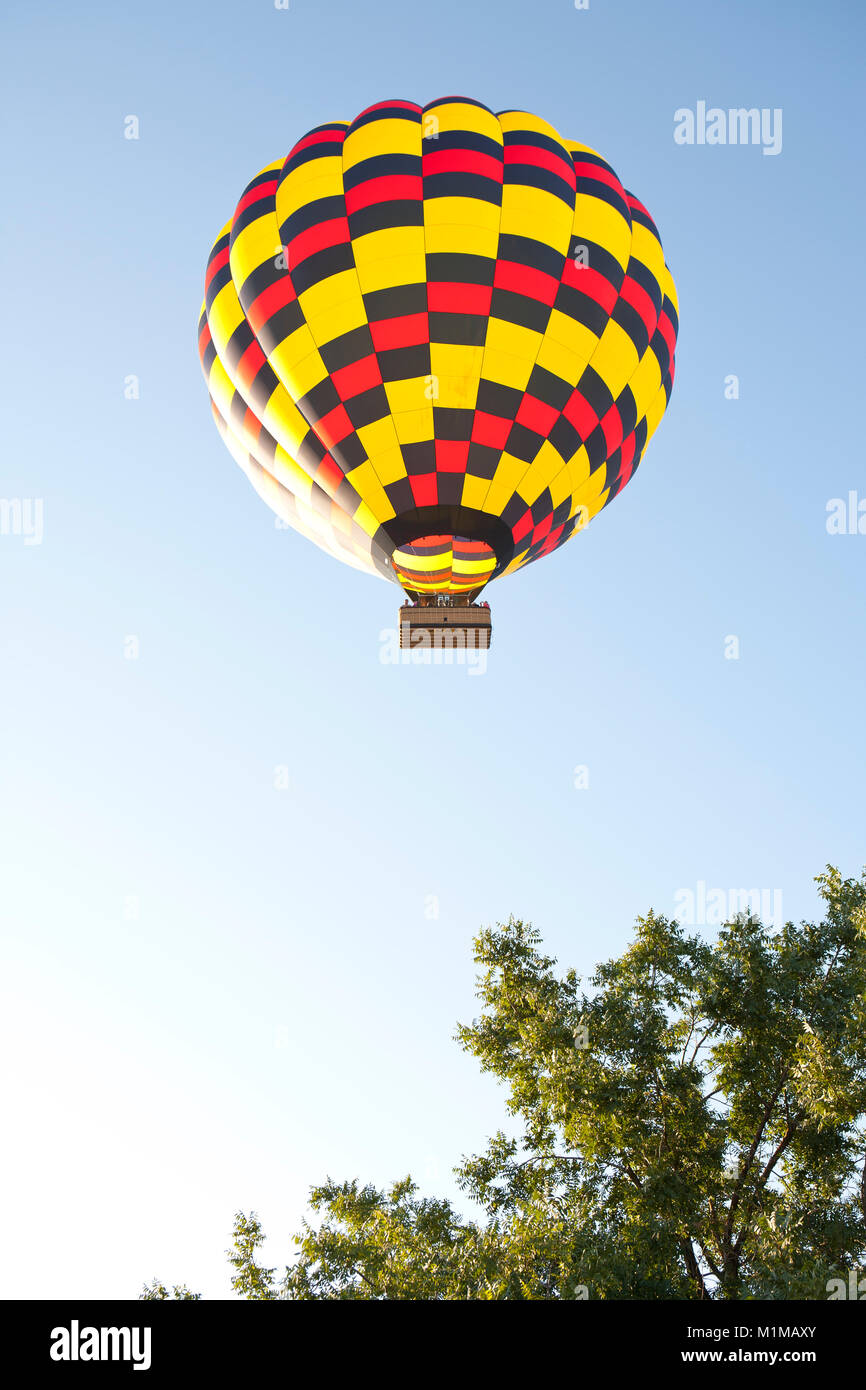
<point x="438" y="339"/>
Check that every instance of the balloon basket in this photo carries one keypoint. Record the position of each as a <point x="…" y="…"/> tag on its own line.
<point x="449" y="628"/>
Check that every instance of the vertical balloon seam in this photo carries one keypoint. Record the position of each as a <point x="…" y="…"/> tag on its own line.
<point x="483" y="500"/>
<point x="526" y="558"/>
<point x="355" y="535"/>
<point x="530" y="464"/>
<point x="345" y="542"/>
<point x="314" y="336"/>
<point x="397" y="443"/>
<point x="432" y="106"/>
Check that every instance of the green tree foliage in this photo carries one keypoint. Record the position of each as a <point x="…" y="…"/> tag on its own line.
<point x="691" y="1126"/>
<point x="155" y="1292"/>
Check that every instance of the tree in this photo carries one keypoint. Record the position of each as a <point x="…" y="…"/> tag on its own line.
<point x="691" y="1127"/>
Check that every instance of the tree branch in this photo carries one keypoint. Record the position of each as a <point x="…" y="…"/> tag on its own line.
<point x="750" y="1158"/>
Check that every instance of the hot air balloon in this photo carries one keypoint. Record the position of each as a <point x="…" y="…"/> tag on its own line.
<point x="437" y="340"/>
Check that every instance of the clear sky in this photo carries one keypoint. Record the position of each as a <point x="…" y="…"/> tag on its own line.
<point x="216" y="991"/>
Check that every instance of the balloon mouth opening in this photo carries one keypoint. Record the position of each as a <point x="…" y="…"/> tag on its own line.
<point x="444" y="564"/>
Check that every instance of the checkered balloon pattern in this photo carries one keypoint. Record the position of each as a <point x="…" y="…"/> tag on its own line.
<point x="437" y="339"/>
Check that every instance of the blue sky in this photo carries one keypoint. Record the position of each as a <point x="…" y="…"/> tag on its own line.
<point x="214" y="991"/>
